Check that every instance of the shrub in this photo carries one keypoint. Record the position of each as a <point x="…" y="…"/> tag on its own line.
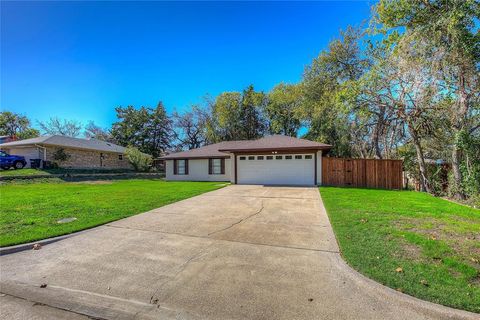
<point x="61" y="155"/>
<point x="140" y="161"/>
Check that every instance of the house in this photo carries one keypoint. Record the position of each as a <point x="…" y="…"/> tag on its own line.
<point x="80" y="153"/>
<point x="272" y="160"/>
<point x="4" y="139"/>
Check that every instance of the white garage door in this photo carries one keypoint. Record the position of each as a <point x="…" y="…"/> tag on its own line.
<point x="290" y="169"/>
<point x="28" y="153"/>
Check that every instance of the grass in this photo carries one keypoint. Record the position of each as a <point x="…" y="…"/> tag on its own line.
<point x="36" y="172"/>
<point x="30" y="211"/>
<point x="418" y="244"/>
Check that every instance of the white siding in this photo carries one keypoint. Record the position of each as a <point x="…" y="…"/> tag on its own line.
<point x="198" y="171"/>
<point x="319" y="168"/>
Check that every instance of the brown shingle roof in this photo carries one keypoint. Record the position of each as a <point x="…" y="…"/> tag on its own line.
<point x="275" y="142"/>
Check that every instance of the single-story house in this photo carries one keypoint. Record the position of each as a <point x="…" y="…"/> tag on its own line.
<point x="81" y="153"/>
<point x="272" y="160"/>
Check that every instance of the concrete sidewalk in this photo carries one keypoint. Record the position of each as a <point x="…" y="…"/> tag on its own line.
<point x="241" y="252"/>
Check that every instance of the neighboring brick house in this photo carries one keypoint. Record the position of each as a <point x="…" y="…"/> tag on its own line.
<point x="82" y="153"/>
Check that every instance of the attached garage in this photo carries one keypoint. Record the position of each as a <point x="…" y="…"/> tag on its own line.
<point x="277" y="169"/>
<point x="28" y="153"/>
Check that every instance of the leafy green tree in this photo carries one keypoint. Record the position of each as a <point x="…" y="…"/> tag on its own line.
<point x="237" y="116"/>
<point x="326" y="114"/>
<point x="282" y="109"/>
<point x="252" y="119"/>
<point x="140" y="161"/>
<point x="13" y="124"/>
<point x="450" y="27"/>
<point x="148" y="129"/>
<point x="225" y="122"/>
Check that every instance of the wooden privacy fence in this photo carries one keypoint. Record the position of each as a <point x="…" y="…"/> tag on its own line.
<point x="368" y="173"/>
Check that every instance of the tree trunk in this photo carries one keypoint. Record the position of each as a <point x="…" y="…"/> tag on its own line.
<point x="425" y="184"/>
<point x="457" y="174"/>
<point x="458" y="126"/>
<point x="377" y="132"/>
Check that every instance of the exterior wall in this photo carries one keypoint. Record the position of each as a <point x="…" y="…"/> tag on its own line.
<point x="89" y="159"/>
<point x="319" y="168"/>
<point x="197" y="171"/>
<point x="232" y="168"/>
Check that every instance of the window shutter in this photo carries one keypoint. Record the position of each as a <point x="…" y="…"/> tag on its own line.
<point x="186" y="166"/>
<point x="175" y="167"/>
<point x="210" y="166"/>
<point x="222" y="166"/>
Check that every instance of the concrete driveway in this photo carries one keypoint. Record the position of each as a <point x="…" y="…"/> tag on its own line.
<point x="241" y="252"/>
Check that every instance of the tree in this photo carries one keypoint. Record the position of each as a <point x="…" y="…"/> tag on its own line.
<point x="140" y="161"/>
<point x="57" y="126"/>
<point x="13" y="124"/>
<point x="190" y="128"/>
<point x="148" y="129"/>
<point x="282" y="109"/>
<point x="327" y="116"/>
<point x="252" y="119"/>
<point x="92" y="131"/>
<point x="450" y="27"/>
<point x="237" y="116"/>
<point x="403" y="85"/>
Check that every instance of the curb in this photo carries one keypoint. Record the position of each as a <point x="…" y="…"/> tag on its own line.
<point x="379" y="290"/>
<point x="29" y="246"/>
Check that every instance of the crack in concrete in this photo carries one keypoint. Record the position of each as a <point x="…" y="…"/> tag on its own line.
<point x="239" y="221"/>
<point x="225" y="240"/>
<point x="182" y="267"/>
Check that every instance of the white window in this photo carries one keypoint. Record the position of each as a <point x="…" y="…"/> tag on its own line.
<point x="180" y="166"/>
<point x="217" y="166"/>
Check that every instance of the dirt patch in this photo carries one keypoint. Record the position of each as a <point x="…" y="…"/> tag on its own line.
<point x="464" y="244"/>
<point x="411" y="251"/>
<point x="475" y="281"/>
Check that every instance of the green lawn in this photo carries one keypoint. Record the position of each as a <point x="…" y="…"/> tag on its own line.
<point x="30" y="211"/>
<point x="418" y="244"/>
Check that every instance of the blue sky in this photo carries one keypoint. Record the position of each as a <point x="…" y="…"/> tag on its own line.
<point x="79" y="60"/>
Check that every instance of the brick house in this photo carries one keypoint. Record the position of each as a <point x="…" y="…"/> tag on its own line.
<point x="81" y="153"/>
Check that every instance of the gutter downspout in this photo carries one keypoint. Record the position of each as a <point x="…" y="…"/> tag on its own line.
<point x="44" y="152"/>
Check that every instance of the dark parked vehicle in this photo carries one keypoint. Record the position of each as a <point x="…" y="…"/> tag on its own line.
<point x="8" y="161"/>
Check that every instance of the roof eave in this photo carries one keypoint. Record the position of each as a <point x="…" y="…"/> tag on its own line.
<point x="57" y="145"/>
<point x="195" y="157"/>
<point x="327" y="147"/>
